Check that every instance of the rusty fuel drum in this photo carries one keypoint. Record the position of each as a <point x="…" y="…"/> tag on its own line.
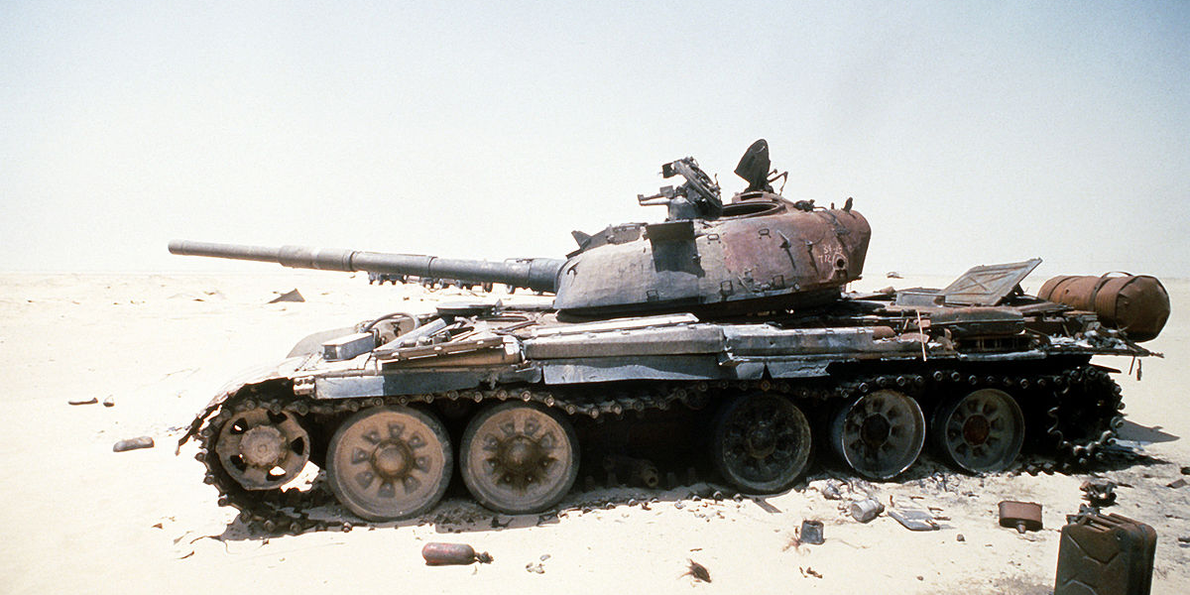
<point x="1135" y="304"/>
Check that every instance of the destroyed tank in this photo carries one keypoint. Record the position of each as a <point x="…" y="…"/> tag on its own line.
<point x="722" y="335"/>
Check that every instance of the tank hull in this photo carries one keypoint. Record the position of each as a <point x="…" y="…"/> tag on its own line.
<point x="610" y="379"/>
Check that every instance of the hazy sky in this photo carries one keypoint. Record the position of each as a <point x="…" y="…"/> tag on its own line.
<point x="967" y="132"/>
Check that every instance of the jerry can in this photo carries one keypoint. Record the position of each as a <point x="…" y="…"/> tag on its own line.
<point x="1105" y="554"/>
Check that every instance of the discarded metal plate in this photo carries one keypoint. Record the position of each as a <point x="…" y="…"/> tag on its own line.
<point x="292" y="295"/>
<point x="914" y="519"/>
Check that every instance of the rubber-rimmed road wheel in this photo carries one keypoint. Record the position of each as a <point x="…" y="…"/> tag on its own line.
<point x="387" y="463"/>
<point x="519" y="457"/>
<point x="761" y="443"/>
<point x="982" y="430"/>
<point x="879" y="434"/>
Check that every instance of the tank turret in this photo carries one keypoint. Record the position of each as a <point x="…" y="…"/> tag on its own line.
<point x="760" y="252"/>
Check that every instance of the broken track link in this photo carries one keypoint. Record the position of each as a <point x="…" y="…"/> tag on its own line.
<point x="1061" y="395"/>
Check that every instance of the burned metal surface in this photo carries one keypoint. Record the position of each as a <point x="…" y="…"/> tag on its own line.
<point x="730" y="316"/>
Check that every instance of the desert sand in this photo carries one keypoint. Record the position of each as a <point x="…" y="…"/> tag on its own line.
<point x="78" y="517"/>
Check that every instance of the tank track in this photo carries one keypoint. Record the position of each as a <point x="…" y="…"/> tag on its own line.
<point x="1078" y="410"/>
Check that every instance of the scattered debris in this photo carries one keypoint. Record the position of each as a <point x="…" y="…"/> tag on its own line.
<point x="289" y="296"/>
<point x="538" y="568"/>
<point x="1099" y="492"/>
<point x="1024" y="516"/>
<point x="1177" y="483"/>
<point x="109" y="402"/>
<point x="893" y="275"/>
<point x="90" y="401"/>
<point x="811" y="533"/>
<point x="865" y="510"/>
<point x="698" y="571"/>
<point x="830" y="490"/>
<point x="937" y="514"/>
<point x="960" y="538"/>
<point x="133" y="444"/>
<point x="1185" y="470"/>
<point x="442" y="554"/>
<point x="807" y="571"/>
<point x="765" y="506"/>
<point x="1185" y="540"/>
<point x="914" y="519"/>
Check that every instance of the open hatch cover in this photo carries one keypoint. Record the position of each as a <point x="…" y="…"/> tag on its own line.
<point x="987" y="285"/>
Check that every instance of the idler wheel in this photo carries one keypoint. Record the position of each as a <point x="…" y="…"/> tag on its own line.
<point x="980" y="431"/>
<point x="519" y="457"/>
<point x="761" y="443"/>
<point x="388" y="463"/>
<point x="262" y="450"/>
<point x="879" y="434"/>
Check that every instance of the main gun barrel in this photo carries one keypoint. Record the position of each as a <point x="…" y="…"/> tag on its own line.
<point x="538" y="274"/>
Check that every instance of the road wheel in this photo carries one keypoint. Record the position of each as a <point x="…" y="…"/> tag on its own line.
<point x="519" y="457"/>
<point x="761" y="443"/>
<point x="387" y="463"/>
